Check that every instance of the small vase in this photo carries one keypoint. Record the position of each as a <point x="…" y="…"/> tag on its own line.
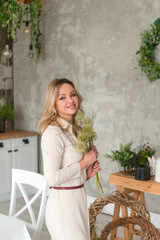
<point x="2" y="126"/>
<point x="142" y="173"/>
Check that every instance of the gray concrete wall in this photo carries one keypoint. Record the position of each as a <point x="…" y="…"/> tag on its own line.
<point x="94" y="43"/>
<point x="6" y="81"/>
<point x="5" y="70"/>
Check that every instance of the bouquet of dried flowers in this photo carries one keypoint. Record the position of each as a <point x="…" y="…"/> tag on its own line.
<point x="86" y="139"/>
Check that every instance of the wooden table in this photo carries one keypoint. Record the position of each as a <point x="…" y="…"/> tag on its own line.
<point x="16" y="134"/>
<point x="128" y="184"/>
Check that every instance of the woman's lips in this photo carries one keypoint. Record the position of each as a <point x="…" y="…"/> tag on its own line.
<point x="71" y="106"/>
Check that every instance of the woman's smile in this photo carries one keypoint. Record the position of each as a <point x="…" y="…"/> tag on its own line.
<point x="72" y="106"/>
<point x="67" y="102"/>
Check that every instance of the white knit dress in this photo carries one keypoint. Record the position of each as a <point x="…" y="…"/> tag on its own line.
<point x="66" y="211"/>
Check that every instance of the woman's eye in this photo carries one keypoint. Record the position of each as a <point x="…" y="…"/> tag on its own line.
<point x="73" y="95"/>
<point x="62" y="98"/>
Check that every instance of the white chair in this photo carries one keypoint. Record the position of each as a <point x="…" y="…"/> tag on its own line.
<point x="19" y="178"/>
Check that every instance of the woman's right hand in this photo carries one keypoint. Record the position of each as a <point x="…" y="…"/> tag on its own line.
<point x="89" y="158"/>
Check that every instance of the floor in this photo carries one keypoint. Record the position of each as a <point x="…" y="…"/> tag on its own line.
<point x="102" y="220"/>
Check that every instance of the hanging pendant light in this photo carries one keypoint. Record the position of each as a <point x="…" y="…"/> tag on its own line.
<point x="26" y="30"/>
<point x="31" y="52"/>
<point x="7" y="53"/>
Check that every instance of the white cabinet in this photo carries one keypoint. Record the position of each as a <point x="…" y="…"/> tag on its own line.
<point x="18" y="153"/>
<point x="25" y="153"/>
<point x="5" y="166"/>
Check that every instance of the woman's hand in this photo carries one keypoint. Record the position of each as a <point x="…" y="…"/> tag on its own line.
<point x="89" y="158"/>
<point x="93" y="169"/>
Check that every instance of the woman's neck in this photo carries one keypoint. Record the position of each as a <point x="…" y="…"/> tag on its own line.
<point x="69" y="120"/>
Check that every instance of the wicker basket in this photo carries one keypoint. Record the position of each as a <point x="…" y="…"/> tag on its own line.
<point x="147" y="228"/>
<point x="142" y="217"/>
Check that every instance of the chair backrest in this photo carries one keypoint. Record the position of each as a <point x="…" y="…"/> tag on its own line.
<point x="19" y="178"/>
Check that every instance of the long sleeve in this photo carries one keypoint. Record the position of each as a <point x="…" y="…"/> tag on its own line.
<point x="53" y="150"/>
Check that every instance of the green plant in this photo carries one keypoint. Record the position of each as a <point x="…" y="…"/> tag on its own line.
<point x="95" y="234"/>
<point x="125" y="156"/>
<point x="13" y="15"/>
<point x="129" y="158"/>
<point x="147" y="61"/>
<point x="6" y="111"/>
<point x="144" y="152"/>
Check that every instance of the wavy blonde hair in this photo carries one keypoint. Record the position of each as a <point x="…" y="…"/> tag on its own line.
<point x="50" y="115"/>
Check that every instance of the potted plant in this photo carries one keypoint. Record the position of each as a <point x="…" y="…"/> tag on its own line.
<point x="129" y="158"/>
<point x="6" y="112"/>
<point x="15" y="14"/>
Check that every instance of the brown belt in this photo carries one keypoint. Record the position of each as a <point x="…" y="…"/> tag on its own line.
<point x="67" y="188"/>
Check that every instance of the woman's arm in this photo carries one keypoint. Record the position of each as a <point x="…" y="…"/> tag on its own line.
<point x="52" y="150"/>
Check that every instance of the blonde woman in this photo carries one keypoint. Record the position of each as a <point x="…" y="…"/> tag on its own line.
<point x="65" y="169"/>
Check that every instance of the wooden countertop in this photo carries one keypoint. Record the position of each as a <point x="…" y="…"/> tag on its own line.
<point x="128" y="181"/>
<point x="17" y="134"/>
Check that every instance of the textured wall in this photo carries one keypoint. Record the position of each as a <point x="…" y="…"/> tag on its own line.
<point x="94" y="43"/>
<point x="5" y="71"/>
<point x="6" y="88"/>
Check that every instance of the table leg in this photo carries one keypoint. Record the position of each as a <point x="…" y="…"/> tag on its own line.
<point x="115" y="217"/>
<point x="140" y="197"/>
<point x="127" y="233"/>
<point x="131" y="226"/>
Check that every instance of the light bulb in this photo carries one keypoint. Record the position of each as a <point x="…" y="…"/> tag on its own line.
<point x="7" y="53"/>
<point x="31" y="53"/>
<point x="26" y="30"/>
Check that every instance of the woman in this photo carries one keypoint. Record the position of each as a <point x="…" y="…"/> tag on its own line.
<point x="65" y="169"/>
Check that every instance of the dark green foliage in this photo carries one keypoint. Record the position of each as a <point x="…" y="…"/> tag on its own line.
<point x="147" y="61"/>
<point x="129" y="158"/>
<point x="35" y="13"/>
<point x="14" y="14"/>
<point x="125" y="156"/>
<point x="144" y="152"/>
<point x="6" y="111"/>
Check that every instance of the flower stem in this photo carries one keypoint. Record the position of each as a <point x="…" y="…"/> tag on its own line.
<point x="97" y="185"/>
<point x="97" y="176"/>
<point x="100" y="183"/>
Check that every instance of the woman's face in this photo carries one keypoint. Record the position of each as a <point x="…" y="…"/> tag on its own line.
<point x="67" y="102"/>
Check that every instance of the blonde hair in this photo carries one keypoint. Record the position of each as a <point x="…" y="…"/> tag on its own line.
<point x="50" y="115"/>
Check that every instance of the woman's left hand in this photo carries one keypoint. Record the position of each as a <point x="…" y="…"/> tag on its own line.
<point x="93" y="169"/>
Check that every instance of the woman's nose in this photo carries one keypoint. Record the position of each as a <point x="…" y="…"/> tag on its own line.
<point x="70" y="99"/>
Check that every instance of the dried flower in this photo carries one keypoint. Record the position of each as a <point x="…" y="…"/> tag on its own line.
<point x="87" y="136"/>
<point x="85" y="139"/>
<point x="88" y="121"/>
<point x="79" y="118"/>
<point x="81" y="146"/>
